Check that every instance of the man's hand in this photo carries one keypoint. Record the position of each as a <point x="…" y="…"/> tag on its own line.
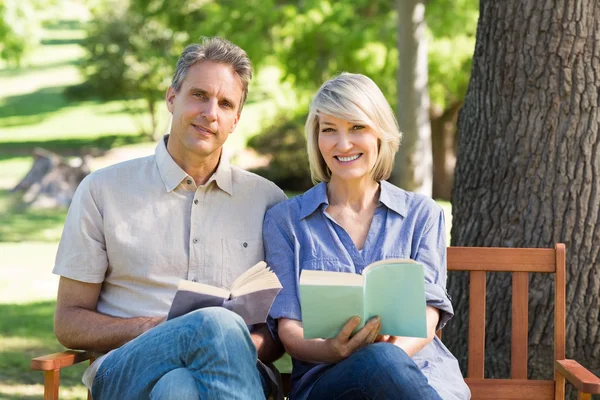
<point x="341" y="346"/>
<point x="267" y="348"/>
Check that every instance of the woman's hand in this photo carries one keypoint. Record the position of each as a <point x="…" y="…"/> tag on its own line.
<point x="386" y="339"/>
<point x="341" y="346"/>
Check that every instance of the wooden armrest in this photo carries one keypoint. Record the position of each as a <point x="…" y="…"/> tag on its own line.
<point x="60" y="360"/>
<point x="578" y="376"/>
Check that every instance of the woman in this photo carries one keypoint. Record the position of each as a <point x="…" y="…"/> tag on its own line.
<point x="349" y="220"/>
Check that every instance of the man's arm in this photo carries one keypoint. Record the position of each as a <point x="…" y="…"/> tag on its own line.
<point x="77" y="324"/>
<point x="268" y="348"/>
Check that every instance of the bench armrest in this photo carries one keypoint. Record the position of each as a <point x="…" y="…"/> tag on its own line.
<point x="578" y="376"/>
<point x="60" y="360"/>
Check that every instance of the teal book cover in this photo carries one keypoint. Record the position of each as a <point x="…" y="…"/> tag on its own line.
<point x="393" y="289"/>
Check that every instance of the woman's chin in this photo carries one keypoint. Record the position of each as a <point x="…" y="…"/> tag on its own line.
<point x="350" y="176"/>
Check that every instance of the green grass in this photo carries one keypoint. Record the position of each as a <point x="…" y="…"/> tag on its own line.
<point x="27" y="303"/>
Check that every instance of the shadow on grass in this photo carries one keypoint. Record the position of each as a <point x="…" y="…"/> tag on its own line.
<point x="18" y="71"/>
<point x="94" y="146"/>
<point x="34" y="322"/>
<point x="64" y="24"/>
<point x="54" y="42"/>
<point x="32" y="108"/>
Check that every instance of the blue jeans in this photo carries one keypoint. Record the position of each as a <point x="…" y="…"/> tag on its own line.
<point x="205" y="354"/>
<point x="377" y="371"/>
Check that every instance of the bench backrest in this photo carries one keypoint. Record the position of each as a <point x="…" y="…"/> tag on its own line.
<point x="520" y="262"/>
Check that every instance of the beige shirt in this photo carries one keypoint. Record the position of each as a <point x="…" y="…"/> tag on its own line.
<point x="141" y="225"/>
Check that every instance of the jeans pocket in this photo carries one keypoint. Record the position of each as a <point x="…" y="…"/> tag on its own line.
<point x="238" y="256"/>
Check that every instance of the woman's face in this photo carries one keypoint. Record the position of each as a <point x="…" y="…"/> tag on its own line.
<point x="349" y="148"/>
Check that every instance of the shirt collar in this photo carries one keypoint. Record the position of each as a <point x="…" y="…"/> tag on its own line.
<point x="172" y="174"/>
<point x="222" y="175"/>
<point x="393" y="198"/>
<point x="313" y="199"/>
<point x="390" y="196"/>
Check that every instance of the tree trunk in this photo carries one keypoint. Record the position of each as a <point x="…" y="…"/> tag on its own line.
<point x="528" y="171"/>
<point x="443" y="148"/>
<point x="413" y="168"/>
<point x="52" y="180"/>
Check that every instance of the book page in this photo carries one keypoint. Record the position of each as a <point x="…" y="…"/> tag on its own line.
<point x="249" y="274"/>
<point x="259" y="277"/>
<point x="198" y="287"/>
<point x="330" y="278"/>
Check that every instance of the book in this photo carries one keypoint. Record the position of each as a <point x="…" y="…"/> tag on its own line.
<point x="393" y="289"/>
<point x="251" y="295"/>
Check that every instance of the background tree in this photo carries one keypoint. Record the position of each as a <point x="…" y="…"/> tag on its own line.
<point x="413" y="167"/>
<point x="129" y="57"/>
<point x="19" y="29"/>
<point x="528" y="171"/>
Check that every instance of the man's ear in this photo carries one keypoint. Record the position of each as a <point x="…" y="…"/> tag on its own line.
<point x="170" y="98"/>
<point x="235" y="122"/>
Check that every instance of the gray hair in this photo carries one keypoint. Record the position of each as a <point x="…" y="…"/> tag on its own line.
<point x="217" y="50"/>
<point x="354" y="98"/>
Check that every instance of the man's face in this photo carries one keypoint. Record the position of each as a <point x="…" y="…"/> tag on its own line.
<point x="205" y="110"/>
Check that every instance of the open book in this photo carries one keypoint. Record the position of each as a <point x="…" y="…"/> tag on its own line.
<point x="394" y="289"/>
<point x="251" y="295"/>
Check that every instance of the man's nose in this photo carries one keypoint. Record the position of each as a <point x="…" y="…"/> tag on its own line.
<point x="209" y="111"/>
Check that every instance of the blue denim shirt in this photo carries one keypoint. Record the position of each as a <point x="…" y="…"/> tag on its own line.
<point x="298" y="234"/>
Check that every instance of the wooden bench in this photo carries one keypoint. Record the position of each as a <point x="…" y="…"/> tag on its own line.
<point x="477" y="261"/>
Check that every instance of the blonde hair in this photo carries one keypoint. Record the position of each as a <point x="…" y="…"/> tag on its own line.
<point x="353" y="98"/>
<point x="217" y="50"/>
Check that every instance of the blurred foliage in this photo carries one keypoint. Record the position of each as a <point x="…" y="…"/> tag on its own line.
<point x="284" y="141"/>
<point x="19" y="29"/>
<point x="129" y="56"/>
<point x="132" y="47"/>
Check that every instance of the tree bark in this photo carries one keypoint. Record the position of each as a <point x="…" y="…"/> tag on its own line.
<point x="413" y="168"/>
<point x="528" y="171"/>
<point x="443" y="149"/>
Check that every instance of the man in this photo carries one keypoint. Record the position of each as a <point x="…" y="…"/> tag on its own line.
<point x="135" y="228"/>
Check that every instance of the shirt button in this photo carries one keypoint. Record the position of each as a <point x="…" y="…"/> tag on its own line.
<point x="195" y="240"/>
<point x="196" y="201"/>
<point x="189" y="181"/>
<point x="245" y="244"/>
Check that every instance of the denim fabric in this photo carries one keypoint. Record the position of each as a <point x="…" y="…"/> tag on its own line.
<point x="379" y="371"/>
<point x="213" y="344"/>
<point x="178" y="384"/>
<point x="298" y="234"/>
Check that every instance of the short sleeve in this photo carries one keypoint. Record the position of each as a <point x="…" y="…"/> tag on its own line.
<point x="81" y="252"/>
<point x="432" y="254"/>
<point x="281" y="256"/>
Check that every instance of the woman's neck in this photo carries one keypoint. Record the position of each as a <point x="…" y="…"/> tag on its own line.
<point x="357" y="195"/>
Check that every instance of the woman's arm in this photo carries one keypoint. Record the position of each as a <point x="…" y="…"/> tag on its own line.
<point x="413" y="345"/>
<point x="330" y="350"/>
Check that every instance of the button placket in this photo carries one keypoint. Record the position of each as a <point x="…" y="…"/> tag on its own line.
<point x="195" y="251"/>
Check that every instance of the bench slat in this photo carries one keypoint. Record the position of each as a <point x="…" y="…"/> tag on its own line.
<point x="497" y="259"/>
<point x="560" y="314"/>
<point x="520" y="325"/>
<point x="510" y="389"/>
<point x="476" y="350"/>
